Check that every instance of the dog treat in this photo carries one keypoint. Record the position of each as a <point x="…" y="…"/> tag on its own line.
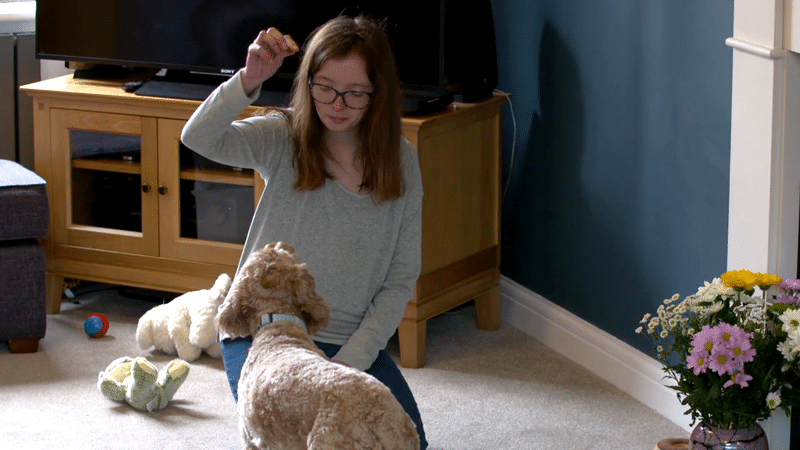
<point x="291" y="45"/>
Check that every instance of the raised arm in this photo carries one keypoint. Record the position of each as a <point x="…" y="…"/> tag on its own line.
<point x="213" y="130"/>
<point x="264" y="57"/>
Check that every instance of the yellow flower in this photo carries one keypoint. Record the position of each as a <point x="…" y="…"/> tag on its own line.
<point x="739" y="279"/>
<point x="765" y="280"/>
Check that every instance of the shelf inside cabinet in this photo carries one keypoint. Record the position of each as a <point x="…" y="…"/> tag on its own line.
<point x="108" y="165"/>
<point x="241" y="178"/>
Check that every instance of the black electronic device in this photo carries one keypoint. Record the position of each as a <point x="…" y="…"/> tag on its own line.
<point x="442" y="47"/>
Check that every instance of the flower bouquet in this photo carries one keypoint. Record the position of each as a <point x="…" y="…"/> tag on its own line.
<point x="732" y="352"/>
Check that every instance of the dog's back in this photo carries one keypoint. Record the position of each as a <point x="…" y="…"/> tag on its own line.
<point x="292" y="396"/>
<point x="375" y="421"/>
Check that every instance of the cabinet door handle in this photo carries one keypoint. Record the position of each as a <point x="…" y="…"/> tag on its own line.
<point x="162" y="190"/>
<point x="145" y="188"/>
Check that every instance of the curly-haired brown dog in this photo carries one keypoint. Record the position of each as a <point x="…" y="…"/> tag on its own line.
<point x="290" y="395"/>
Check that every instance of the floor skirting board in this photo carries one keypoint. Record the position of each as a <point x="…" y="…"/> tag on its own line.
<point x="622" y="365"/>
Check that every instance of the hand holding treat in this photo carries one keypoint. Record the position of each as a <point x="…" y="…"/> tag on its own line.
<point x="265" y="56"/>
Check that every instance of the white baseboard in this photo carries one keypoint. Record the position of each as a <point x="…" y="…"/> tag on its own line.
<point x="627" y="368"/>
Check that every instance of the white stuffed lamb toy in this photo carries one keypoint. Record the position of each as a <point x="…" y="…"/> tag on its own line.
<point x="186" y="324"/>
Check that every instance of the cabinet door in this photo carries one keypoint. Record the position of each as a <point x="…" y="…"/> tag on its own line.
<point x="206" y="207"/>
<point x="107" y="165"/>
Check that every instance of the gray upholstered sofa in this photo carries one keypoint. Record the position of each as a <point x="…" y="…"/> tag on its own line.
<point x="24" y="219"/>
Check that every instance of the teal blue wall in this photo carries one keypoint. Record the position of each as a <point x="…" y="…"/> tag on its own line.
<point x="618" y="191"/>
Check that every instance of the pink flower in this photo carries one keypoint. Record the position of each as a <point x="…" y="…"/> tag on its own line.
<point x="789" y="284"/>
<point x="743" y="352"/>
<point x="787" y="299"/>
<point x="702" y="345"/>
<point x="704" y="339"/>
<point x="723" y="333"/>
<point x="738" y="378"/>
<point x="724" y="349"/>
<point x="731" y="337"/>
<point x="721" y="361"/>
<point x="698" y="361"/>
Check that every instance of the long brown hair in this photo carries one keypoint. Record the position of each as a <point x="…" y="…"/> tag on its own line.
<point x="379" y="129"/>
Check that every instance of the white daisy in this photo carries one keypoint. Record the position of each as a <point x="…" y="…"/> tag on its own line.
<point x="790" y="348"/>
<point x="773" y="400"/>
<point x="704" y="305"/>
<point x="710" y="291"/>
<point x="791" y="320"/>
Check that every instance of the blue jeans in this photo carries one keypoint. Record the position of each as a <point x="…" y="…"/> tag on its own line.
<point x="234" y="352"/>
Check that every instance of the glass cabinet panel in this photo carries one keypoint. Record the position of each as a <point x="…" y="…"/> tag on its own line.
<point x="216" y="200"/>
<point x="106" y="180"/>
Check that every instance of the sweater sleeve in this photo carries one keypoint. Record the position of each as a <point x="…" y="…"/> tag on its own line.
<point x="389" y="304"/>
<point x="213" y="130"/>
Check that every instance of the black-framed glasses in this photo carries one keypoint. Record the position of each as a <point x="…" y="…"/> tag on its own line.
<point x="352" y="99"/>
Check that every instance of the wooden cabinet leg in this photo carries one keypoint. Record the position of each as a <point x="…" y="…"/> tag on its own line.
<point x="488" y="307"/>
<point x="412" y="335"/>
<point x="55" y="288"/>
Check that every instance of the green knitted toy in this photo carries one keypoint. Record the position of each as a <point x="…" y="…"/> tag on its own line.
<point x="138" y="382"/>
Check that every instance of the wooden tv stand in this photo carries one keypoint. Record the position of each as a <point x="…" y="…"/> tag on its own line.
<point x="131" y="206"/>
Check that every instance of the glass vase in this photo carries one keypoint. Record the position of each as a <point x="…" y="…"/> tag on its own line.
<point x="708" y="437"/>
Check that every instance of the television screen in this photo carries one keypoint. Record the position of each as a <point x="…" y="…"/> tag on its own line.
<point x="211" y="36"/>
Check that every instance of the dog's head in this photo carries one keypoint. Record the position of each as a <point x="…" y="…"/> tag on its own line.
<point x="272" y="280"/>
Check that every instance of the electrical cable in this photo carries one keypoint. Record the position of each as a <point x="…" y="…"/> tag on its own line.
<point x="513" y="142"/>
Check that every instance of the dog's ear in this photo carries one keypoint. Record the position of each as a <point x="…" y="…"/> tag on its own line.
<point x="237" y="319"/>
<point x="310" y="306"/>
<point x="283" y="246"/>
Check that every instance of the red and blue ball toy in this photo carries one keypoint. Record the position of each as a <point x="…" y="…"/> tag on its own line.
<point x="96" y="325"/>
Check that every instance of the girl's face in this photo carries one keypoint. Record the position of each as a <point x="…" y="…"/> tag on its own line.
<point x="343" y="75"/>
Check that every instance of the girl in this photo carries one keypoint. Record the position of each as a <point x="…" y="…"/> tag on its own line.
<point x="342" y="186"/>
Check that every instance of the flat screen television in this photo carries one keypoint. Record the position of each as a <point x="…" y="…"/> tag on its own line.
<point x="211" y="36"/>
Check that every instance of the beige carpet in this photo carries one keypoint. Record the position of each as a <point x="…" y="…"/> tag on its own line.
<point x="479" y="390"/>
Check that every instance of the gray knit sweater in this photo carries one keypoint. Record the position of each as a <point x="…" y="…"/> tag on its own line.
<point x="365" y="256"/>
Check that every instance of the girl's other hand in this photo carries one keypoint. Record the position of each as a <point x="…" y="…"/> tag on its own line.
<point x="265" y="56"/>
